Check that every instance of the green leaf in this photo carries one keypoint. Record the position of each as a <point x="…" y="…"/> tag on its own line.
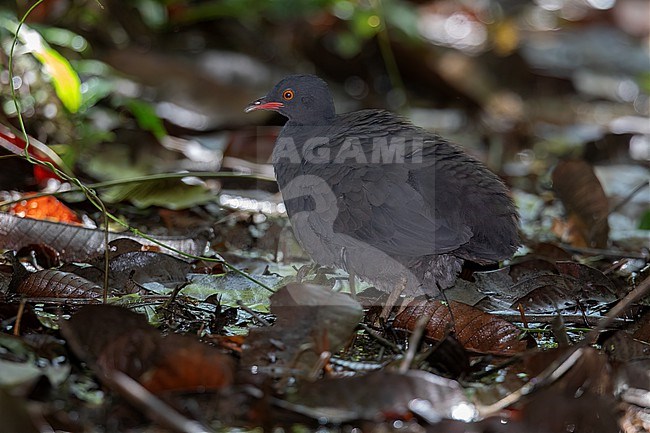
<point x="170" y="194"/>
<point x="65" y="80"/>
<point x="147" y="119"/>
<point x="63" y="38"/>
<point x="232" y="288"/>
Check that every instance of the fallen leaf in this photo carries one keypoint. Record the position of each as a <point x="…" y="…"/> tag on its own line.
<point x="115" y="338"/>
<point x="580" y="400"/>
<point x="52" y="283"/>
<point x="310" y="319"/>
<point x="548" y="293"/>
<point x="577" y="186"/>
<point x="378" y="396"/>
<point x="185" y="364"/>
<point x="147" y="266"/>
<point x="476" y="330"/>
<point x="78" y="243"/>
<point x="22" y="419"/>
<point x="45" y="208"/>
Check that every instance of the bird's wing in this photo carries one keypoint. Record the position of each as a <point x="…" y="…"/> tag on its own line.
<point x="378" y="205"/>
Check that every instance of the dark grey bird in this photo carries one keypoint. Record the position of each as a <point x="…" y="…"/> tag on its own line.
<point x="387" y="201"/>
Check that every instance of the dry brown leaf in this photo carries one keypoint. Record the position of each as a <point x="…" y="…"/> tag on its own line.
<point x="114" y="338"/>
<point x="51" y="283"/>
<point x="78" y="243"/>
<point x="476" y="330"/>
<point x="378" y="395"/>
<point x="185" y="364"/>
<point x="587" y="206"/>
<point x="310" y="319"/>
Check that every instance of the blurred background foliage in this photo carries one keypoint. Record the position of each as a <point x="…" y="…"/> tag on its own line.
<point x="123" y="88"/>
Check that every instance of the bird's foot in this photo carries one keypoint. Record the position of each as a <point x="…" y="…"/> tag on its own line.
<point x="313" y="273"/>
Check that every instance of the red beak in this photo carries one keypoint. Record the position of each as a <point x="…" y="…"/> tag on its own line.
<point x="261" y="104"/>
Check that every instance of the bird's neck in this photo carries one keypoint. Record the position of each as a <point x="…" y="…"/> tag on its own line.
<point x="310" y="119"/>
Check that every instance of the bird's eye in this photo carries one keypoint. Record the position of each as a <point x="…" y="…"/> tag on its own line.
<point x="288" y="95"/>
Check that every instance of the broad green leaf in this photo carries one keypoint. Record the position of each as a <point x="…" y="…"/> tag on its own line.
<point x="65" y="80"/>
<point x="171" y="194"/>
<point x="67" y="84"/>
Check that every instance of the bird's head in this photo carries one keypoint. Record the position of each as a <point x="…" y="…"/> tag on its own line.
<point x="303" y="99"/>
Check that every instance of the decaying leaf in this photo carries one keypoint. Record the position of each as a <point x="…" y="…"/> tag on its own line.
<point x="51" y="283"/>
<point x="310" y="319"/>
<point x="580" y="400"/>
<point x="538" y="286"/>
<point x="114" y="338"/>
<point x="573" y="285"/>
<point x="185" y="364"/>
<point x="577" y="186"/>
<point x="378" y="396"/>
<point x="622" y="346"/>
<point x="476" y="330"/>
<point x="21" y="419"/>
<point x="642" y="333"/>
<point x="147" y="266"/>
<point x="77" y="243"/>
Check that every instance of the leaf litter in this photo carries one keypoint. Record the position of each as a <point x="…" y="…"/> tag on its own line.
<point x="555" y="340"/>
<point x="312" y="343"/>
<point x="180" y="333"/>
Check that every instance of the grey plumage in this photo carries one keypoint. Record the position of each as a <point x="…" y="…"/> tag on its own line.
<point x="371" y="193"/>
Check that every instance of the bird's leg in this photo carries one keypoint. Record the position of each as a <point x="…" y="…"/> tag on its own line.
<point x="303" y="271"/>
<point x="452" y="321"/>
<point x="393" y="296"/>
<point x="320" y="275"/>
<point x="352" y="283"/>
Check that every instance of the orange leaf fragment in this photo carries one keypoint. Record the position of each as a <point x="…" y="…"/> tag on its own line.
<point x="45" y="208"/>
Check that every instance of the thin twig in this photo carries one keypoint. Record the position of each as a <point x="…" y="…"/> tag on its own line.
<point x="605" y="253"/>
<point x="640" y="291"/>
<point x="629" y="197"/>
<point x="372" y="333"/>
<point x="257" y="317"/>
<point x="19" y="317"/>
<point x="548" y="318"/>
<point x="414" y="342"/>
<point x="319" y="365"/>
